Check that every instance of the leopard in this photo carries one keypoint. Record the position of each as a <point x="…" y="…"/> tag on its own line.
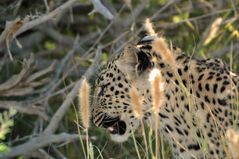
<point x="193" y="122"/>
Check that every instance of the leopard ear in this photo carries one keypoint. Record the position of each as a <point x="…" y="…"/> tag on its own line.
<point x="133" y="61"/>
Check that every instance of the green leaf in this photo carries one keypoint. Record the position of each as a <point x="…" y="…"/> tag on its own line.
<point x="49" y="45"/>
<point x="180" y="17"/>
<point x="4" y="148"/>
<point x="6" y="122"/>
<point x="104" y="57"/>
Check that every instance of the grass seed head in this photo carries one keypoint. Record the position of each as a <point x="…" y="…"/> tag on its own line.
<point x="136" y="102"/>
<point x="156" y="89"/>
<point x="84" y="94"/>
<point x="149" y="27"/>
<point x="161" y="47"/>
<point x="233" y="142"/>
<point x="213" y="30"/>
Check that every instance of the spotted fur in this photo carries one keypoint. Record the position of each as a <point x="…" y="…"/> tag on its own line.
<point x="187" y="122"/>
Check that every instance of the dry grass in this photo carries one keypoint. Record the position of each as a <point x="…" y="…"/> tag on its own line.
<point x="136" y="101"/>
<point x="160" y="45"/>
<point x="157" y="98"/>
<point x="84" y="93"/>
<point x="156" y="89"/>
<point x="233" y="142"/>
<point x="149" y="27"/>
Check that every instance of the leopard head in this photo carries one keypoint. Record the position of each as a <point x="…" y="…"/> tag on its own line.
<point x="112" y="108"/>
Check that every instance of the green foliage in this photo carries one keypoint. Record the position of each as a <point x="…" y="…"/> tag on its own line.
<point x="104" y="57"/>
<point x="49" y="45"/>
<point x="3" y="148"/>
<point x="6" y="122"/>
<point x="181" y="17"/>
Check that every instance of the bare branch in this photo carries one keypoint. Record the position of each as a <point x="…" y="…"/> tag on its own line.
<point x="6" y="36"/>
<point x="57" y="153"/>
<point x="15" y="79"/>
<point x="25" y="108"/>
<point x="100" y="8"/>
<point x="18" y="26"/>
<point x="46" y="5"/>
<point x="41" y="73"/>
<point x="53" y="125"/>
<point x="135" y="13"/>
<point x="58" y="11"/>
<point x="39" y="142"/>
<point x="23" y="83"/>
<point x="41" y="153"/>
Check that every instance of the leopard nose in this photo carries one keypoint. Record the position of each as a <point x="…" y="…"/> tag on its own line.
<point x="115" y="126"/>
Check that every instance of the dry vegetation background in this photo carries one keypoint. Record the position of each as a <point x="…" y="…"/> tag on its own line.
<point x="48" y="46"/>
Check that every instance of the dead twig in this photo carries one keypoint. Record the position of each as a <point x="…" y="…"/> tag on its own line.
<point x="15" y="79"/>
<point x="24" y="107"/>
<point x="54" y="123"/>
<point x="39" y="142"/>
<point x="57" y="153"/>
<point x="42" y="19"/>
<point x="135" y="13"/>
<point x="41" y="153"/>
<point x="23" y="83"/>
<point x="18" y="26"/>
<point x="7" y="35"/>
<point x="100" y="8"/>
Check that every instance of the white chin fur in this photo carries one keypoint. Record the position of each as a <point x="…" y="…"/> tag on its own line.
<point x="119" y="138"/>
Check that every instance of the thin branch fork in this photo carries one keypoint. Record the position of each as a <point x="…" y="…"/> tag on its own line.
<point x="100" y="8"/>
